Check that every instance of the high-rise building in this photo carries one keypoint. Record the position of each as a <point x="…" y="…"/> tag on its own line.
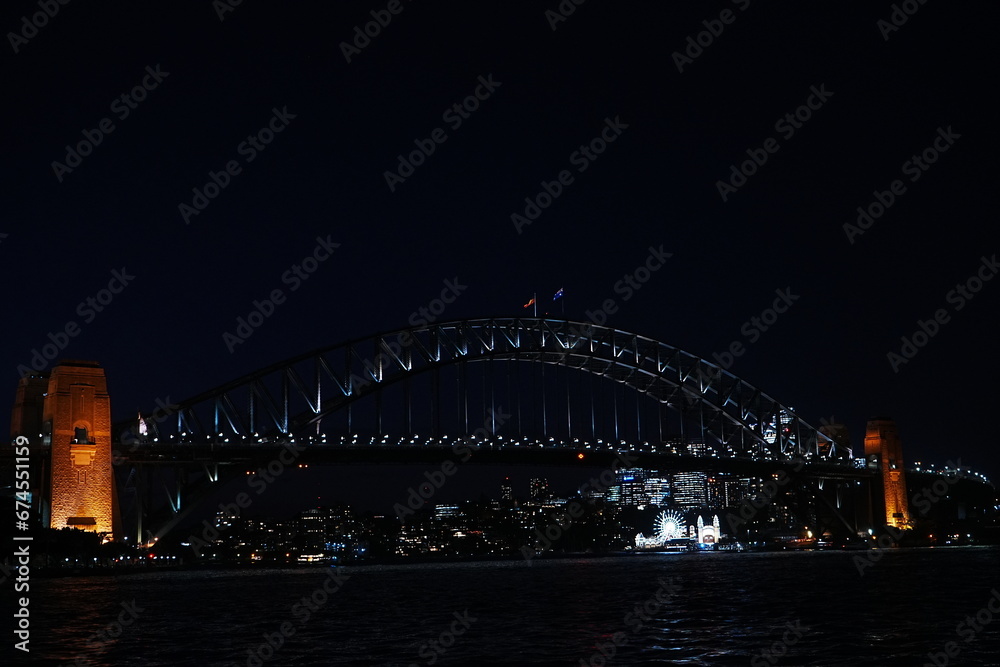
<point x="715" y="491"/>
<point x="696" y="448"/>
<point x="540" y="489"/>
<point x="657" y="489"/>
<point x="726" y="490"/>
<point x="506" y="490"/>
<point x="740" y="488"/>
<point x="689" y="489"/>
<point x="444" y="512"/>
<point x="633" y="487"/>
<point x="613" y="494"/>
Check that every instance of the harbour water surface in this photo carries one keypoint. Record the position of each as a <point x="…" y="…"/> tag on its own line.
<point x="807" y="608"/>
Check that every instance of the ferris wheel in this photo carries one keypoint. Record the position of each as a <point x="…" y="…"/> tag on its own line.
<point x="669" y="525"/>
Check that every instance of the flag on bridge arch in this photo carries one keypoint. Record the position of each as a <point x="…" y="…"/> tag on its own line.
<point x="530" y="303"/>
<point x="558" y="294"/>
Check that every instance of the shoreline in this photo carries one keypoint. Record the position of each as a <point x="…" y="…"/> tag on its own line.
<point x="58" y="573"/>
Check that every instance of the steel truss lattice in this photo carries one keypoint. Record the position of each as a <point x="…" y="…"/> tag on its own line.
<point x="293" y="397"/>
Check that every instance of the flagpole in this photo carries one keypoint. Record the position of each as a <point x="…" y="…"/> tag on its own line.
<point x="534" y="298"/>
<point x="560" y="294"/>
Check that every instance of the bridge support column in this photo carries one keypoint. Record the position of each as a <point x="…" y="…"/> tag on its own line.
<point x="884" y="451"/>
<point x="77" y="418"/>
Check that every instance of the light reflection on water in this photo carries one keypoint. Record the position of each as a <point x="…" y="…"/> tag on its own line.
<point x="729" y="608"/>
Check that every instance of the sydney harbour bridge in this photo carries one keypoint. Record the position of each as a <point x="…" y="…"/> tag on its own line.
<point x="512" y="390"/>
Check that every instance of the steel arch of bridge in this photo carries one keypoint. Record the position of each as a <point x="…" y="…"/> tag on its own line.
<point x="285" y="400"/>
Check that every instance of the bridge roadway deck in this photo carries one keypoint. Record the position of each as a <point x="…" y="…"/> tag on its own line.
<point x="254" y="455"/>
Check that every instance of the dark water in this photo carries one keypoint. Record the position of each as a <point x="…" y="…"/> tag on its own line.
<point x="728" y="609"/>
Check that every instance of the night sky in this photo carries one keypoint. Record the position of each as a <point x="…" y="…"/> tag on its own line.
<point x="881" y="94"/>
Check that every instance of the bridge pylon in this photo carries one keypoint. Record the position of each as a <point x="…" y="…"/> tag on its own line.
<point x="884" y="452"/>
<point x="69" y="423"/>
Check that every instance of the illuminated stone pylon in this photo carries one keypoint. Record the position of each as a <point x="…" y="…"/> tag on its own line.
<point x="77" y="418"/>
<point x="882" y="445"/>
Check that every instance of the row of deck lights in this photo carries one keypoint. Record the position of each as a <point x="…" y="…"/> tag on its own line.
<point x="499" y="440"/>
